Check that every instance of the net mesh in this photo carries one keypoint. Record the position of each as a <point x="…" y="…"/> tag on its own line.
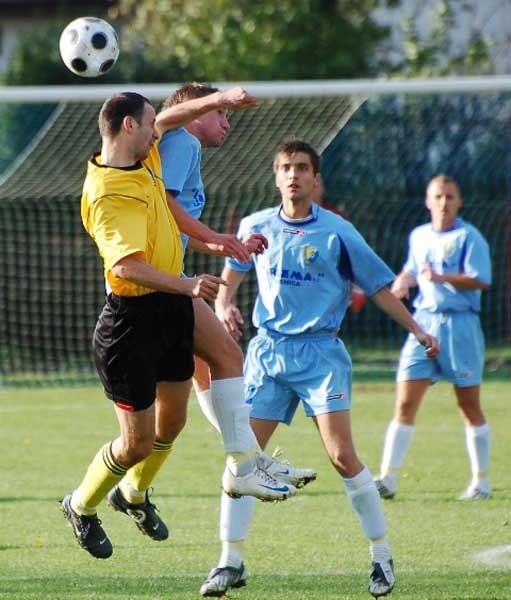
<point x="377" y="157"/>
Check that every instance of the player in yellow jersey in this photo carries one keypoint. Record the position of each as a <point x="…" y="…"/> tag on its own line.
<point x="143" y="341"/>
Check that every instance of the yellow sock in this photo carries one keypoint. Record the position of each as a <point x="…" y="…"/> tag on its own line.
<point x="103" y="474"/>
<point x="138" y="479"/>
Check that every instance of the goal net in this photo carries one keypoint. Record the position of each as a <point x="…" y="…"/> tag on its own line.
<point x="380" y="143"/>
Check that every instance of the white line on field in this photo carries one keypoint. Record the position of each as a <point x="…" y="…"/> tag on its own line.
<point x="499" y="556"/>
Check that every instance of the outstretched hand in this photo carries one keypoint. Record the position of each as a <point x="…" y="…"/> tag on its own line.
<point x="227" y="244"/>
<point x="237" y="98"/>
<point x="255" y="243"/>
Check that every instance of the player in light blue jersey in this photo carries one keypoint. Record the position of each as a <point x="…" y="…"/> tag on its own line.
<point x="449" y="261"/>
<point x="218" y="377"/>
<point x="303" y="292"/>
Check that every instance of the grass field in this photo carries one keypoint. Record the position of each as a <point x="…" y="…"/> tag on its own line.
<point x="309" y="547"/>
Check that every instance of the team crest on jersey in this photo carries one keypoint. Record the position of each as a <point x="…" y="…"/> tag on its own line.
<point x="310" y="254"/>
<point x="448" y="249"/>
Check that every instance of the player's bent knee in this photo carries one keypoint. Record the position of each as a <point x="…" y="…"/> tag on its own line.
<point x="224" y="355"/>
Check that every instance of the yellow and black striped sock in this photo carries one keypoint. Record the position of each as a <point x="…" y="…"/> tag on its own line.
<point x="103" y="474"/>
<point x="139" y="477"/>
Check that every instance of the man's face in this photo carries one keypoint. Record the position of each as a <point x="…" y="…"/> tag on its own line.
<point x="443" y="201"/>
<point x="212" y="128"/>
<point x="295" y="177"/>
<point x="144" y="134"/>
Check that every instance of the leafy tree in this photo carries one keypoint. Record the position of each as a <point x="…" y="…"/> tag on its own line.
<point x="434" y="52"/>
<point x="264" y="40"/>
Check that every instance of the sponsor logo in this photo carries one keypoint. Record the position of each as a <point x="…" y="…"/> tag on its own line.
<point x="294" y="277"/>
<point x="293" y="231"/>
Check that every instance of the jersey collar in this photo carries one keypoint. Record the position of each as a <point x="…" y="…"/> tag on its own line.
<point x="311" y="217"/>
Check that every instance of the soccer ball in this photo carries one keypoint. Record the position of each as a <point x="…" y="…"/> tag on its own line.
<point x="89" y="46"/>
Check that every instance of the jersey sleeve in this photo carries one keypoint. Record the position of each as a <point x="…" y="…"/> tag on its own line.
<point x="369" y="271"/>
<point x="410" y="265"/>
<point x="177" y="159"/>
<point x="243" y="230"/>
<point x="477" y="263"/>
<point x="116" y="224"/>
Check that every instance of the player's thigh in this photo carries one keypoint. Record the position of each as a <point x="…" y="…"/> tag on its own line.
<point x="126" y="350"/>
<point x="213" y="344"/>
<point x="266" y="392"/>
<point x="414" y="364"/>
<point x="320" y="373"/>
<point x="462" y="349"/>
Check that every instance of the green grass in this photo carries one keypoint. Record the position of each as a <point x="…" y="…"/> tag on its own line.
<point x="309" y="548"/>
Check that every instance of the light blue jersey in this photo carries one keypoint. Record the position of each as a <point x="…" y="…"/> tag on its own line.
<point x="461" y="249"/>
<point x="304" y="283"/>
<point x="180" y="153"/>
<point x="304" y="276"/>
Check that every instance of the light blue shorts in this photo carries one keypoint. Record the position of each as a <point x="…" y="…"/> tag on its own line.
<point x="282" y="371"/>
<point x="461" y="358"/>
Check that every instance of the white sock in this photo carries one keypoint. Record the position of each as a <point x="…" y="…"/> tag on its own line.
<point x="235" y="517"/>
<point x="228" y="403"/>
<point x="232" y="554"/>
<point x="478" y="448"/>
<point x="380" y="550"/>
<point x="365" y="500"/>
<point x="206" y="404"/>
<point x="397" y="441"/>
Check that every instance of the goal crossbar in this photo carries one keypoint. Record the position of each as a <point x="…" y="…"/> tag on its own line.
<point x="264" y="89"/>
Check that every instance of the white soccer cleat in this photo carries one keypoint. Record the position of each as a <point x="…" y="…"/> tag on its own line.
<point x="476" y="492"/>
<point x="257" y="483"/>
<point x="382" y="579"/>
<point x="386" y="487"/>
<point x="222" y="579"/>
<point x="283" y="470"/>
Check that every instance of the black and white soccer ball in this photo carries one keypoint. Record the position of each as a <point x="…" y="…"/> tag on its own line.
<point x="89" y="46"/>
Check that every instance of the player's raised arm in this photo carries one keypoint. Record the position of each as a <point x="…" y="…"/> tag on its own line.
<point x="177" y="115"/>
<point x="222" y="244"/>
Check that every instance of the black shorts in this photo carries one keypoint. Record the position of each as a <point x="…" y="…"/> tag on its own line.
<point x="141" y="340"/>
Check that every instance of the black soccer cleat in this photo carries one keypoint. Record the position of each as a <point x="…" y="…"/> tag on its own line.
<point x="88" y="531"/>
<point x="144" y="514"/>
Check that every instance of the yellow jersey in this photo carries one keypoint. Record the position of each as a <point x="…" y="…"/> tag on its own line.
<point x="125" y="211"/>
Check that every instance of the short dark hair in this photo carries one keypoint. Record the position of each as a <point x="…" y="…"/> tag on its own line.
<point x="189" y="91"/>
<point x="443" y="178"/>
<point x="117" y="107"/>
<point x="289" y="147"/>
